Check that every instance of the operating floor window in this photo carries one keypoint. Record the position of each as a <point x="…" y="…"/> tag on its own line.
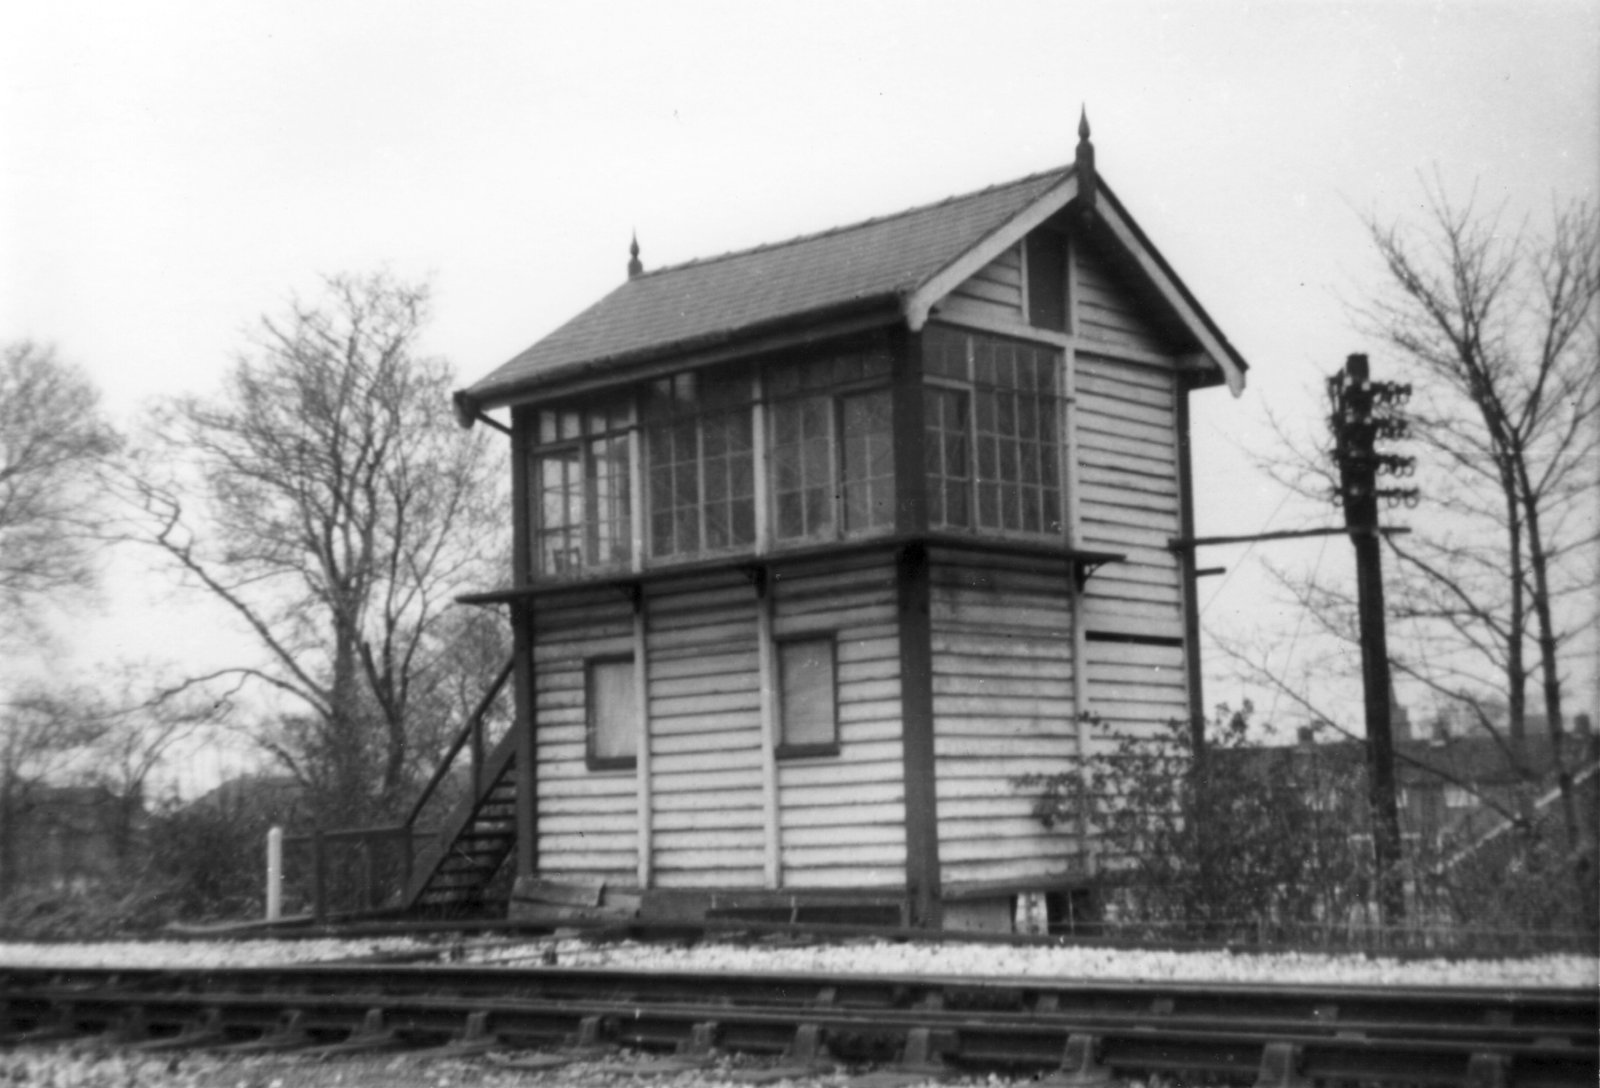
<point x="612" y="698"/>
<point x="808" y="702"/>
<point x="579" y="488"/>
<point x="992" y="409"/>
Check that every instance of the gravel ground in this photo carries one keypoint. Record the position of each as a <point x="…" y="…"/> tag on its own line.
<point x="859" y="957"/>
<point x="875" y="957"/>
<point x="199" y="953"/>
<point x="83" y="1067"/>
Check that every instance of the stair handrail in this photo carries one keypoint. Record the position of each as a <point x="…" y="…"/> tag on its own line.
<point x="471" y="730"/>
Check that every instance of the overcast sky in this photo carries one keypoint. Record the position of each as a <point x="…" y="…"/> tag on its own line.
<point x="172" y="170"/>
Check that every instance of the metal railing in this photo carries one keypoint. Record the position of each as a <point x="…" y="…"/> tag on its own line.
<point x="369" y="869"/>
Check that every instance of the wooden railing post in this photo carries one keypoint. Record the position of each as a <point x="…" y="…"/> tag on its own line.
<point x="477" y="755"/>
<point x="319" y="877"/>
<point x="370" y="871"/>
<point x="407" y="849"/>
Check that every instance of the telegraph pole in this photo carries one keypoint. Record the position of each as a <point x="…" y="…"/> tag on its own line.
<point x="1364" y="412"/>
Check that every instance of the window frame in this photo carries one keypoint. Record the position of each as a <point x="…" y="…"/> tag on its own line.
<point x="972" y="391"/>
<point x="591" y="533"/>
<point x="653" y="419"/>
<point x="833" y="396"/>
<point x="591" y="706"/>
<point x="784" y="749"/>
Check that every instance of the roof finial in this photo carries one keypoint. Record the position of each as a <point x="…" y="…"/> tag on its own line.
<point x="635" y="268"/>
<point x="1088" y="182"/>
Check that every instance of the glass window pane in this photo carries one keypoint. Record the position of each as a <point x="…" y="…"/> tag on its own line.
<point x="807" y="702"/>
<point x="989" y="505"/>
<point x="744" y="522"/>
<point x="958" y="504"/>
<point x="818" y="511"/>
<point x="613" y="712"/>
<point x="791" y="523"/>
<point x="869" y="462"/>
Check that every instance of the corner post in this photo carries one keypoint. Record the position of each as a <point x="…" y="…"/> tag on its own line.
<point x="1186" y="567"/>
<point x="914" y="596"/>
<point x="522" y="648"/>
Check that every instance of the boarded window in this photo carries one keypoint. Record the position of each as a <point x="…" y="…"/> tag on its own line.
<point x="613" y="714"/>
<point x="808" y="699"/>
<point x="1047" y="281"/>
<point x="993" y="433"/>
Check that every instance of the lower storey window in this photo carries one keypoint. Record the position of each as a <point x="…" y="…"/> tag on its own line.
<point x="612" y="701"/>
<point x="808" y="717"/>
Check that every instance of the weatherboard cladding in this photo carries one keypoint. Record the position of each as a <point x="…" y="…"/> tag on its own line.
<point x="719" y="299"/>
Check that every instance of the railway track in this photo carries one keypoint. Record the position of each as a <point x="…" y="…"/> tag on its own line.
<point x="1085" y="1032"/>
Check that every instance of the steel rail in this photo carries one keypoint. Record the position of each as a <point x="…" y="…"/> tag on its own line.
<point x="1489" y="1038"/>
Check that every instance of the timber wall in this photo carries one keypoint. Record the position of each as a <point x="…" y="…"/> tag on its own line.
<point x="993" y="293"/>
<point x="1003" y="707"/>
<point x="1129" y="502"/>
<point x="842" y="817"/>
<point x="587" y="820"/>
<point x="705" y="733"/>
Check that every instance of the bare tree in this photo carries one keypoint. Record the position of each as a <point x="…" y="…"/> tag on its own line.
<point x="1498" y="329"/>
<point x="327" y="499"/>
<point x="52" y="438"/>
<point x="1502" y="331"/>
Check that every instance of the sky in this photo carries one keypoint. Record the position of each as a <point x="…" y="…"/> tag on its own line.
<point x="174" y="170"/>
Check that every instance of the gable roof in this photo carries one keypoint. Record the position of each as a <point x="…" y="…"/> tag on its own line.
<point x="891" y="268"/>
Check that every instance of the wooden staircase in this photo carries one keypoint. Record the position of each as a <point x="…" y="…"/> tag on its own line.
<point x="450" y="877"/>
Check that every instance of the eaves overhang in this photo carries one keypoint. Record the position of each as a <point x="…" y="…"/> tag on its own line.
<point x="853" y="315"/>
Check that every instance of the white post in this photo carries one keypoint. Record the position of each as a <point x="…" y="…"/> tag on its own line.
<point x="274" y="874"/>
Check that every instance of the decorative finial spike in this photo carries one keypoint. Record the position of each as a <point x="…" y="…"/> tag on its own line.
<point x="1088" y="180"/>
<point x="635" y="268"/>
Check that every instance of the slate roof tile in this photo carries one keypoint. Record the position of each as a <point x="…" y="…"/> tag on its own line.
<point x="721" y="298"/>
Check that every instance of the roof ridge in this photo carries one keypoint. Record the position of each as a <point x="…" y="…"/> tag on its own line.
<point x="695" y="262"/>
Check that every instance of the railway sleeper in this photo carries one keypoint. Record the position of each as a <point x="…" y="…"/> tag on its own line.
<point x="203" y="1030"/>
<point x="1080" y="1065"/>
<point x="373" y="1034"/>
<point x="289" y="1032"/>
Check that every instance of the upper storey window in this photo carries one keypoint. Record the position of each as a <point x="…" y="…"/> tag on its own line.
<point x="832" y="446"/>
<point x="827" y="459"/>
<point x="579" y="484"/>
<point x="992" y="409"/>
<point x="700" y="449"/>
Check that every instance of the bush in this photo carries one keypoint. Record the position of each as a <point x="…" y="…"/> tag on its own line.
<point x="1231" y="841"/>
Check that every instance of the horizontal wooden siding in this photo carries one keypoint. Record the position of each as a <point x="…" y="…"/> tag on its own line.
<point x="1003" y="707"/>
<point x="842" y="817"/>
<point x="705" y="733"/>
<point x="587" y="820"/>
<point x="993" y="293"/>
